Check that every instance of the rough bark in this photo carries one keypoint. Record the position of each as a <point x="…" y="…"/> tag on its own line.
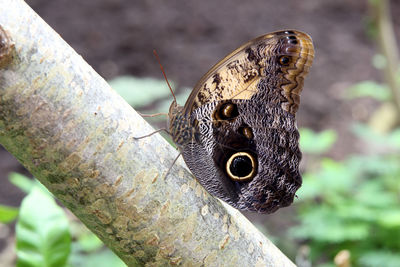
<point x="64" y="123"/>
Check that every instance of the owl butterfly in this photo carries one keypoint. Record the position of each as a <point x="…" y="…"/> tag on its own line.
<point x="237" y="131"/>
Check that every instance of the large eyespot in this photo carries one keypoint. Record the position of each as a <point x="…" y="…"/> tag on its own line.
<point x="241" y="166"/>
<point x="226" y="111"/>
<point x="284" y="60"/>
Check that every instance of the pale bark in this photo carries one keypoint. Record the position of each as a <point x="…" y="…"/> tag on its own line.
<point x="63" y="122"/>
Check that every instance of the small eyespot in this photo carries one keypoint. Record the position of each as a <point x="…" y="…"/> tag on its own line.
<point x="226" y="111"/>
<point x="241" y="166"/>
<point x="284" y="60"/>
<point x="247" y="132"/>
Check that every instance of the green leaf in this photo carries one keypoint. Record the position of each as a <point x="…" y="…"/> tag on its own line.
<point x="350" y="210"/>
<point x="42" y="232"/>
<point x="390" y="219"/>
<point x="103" y="258"/>
<point x="369" y="89"/>
<point x="26" y="184"/>
<point x="380" y="258"/>
<point x="89" y="250"/>
<point x="313" y="188"/>
<point x="330" y="182"/>
<point x="328" y="264"/>
<point x="180" y="98"/>
<point x="7" y="214"/>
<point x="373" y="165"/>
<point x="322" y="224"/>
<point x="391" y="140"/>
<point x="316" y="143"/>
<point x="89" y="242"/>
<point x="21" y="181"/>
<point x="140" y="92"/>
<point x="335" y="177"/>
<point x="382" y="199"/>
<point x="84" y="240"/>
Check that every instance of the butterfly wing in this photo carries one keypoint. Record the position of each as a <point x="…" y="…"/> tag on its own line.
<point x="284" y="57"/>
<point x="251" y="160"/>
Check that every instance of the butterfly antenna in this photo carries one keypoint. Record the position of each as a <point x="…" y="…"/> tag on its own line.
<point x="163" y="72"/>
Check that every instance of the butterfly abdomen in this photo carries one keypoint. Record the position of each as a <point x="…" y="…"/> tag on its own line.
<point x="179" y="126"/>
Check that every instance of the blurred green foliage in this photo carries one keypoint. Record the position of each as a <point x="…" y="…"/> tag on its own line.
<point x="352" y="204"/>
<point x="147" y="93"/>
<point x="316" y="143"/>
<point x="140" y="92"/>
<point x="42" y="233"/>
<point x="8" y="214"/>
<point x="369" y="89"/>
<point x="46" y="236"/>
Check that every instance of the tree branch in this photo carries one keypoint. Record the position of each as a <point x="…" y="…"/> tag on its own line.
<point x="62" y="121"/>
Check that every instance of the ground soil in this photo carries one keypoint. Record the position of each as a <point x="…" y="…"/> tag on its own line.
<point x="117" y="38"/>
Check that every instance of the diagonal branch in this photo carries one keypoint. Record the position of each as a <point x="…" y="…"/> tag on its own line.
<point x="62" y="121"/>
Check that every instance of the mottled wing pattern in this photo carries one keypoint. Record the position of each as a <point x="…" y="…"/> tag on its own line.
<point x="238" y="74"/>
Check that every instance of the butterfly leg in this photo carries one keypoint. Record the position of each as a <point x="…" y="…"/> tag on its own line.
<point x="153" y="115"/>
<point x="172" y="165"/>
<point x="150" y="134"/>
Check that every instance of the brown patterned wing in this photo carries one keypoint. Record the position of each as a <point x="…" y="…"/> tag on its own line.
<point x="237" y="132"/>
<point x="283" y="58"/>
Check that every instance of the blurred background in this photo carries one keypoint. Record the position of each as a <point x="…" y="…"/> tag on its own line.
<point x="348" y="210"/>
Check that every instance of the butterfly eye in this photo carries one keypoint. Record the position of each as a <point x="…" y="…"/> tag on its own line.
<point x="284" y="60"/>
<point x="241" y="166"/>
<point x="226" y="111"/>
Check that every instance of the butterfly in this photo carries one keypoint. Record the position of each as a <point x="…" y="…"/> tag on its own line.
<point x="237" y="131"/>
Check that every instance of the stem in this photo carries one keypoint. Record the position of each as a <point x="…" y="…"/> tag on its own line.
<point x="388" y="47"/>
